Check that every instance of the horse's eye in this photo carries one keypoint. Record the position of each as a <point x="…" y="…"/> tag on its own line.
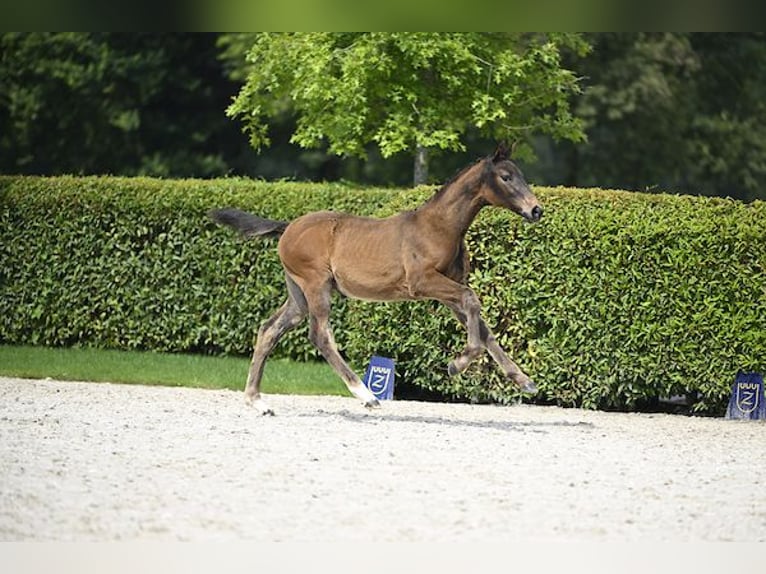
<point x="506" y="177"/>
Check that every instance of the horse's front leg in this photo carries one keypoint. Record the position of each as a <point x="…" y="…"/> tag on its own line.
<point x="510" y="368"/>
<point x="468" y="313"/>
<point x="470" y="317"/>
<point x="466" y="306"/>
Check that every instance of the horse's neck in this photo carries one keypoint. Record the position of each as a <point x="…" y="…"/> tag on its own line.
<point x="453" y="209"/>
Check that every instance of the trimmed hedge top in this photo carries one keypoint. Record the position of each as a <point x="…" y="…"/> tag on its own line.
<point x="612" y="300"/>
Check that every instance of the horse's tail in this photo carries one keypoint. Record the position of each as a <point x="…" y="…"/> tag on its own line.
<point x="247" y="224"/>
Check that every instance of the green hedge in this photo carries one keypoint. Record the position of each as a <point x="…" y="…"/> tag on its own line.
<point x="614" y="299"/>
<point x="135" y="263"/>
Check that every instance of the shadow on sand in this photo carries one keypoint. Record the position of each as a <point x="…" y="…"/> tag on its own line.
<point x="504" y="425"/>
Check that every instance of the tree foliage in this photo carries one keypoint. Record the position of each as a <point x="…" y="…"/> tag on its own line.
<point x="114" y="103"/>
<point x="682" y="112"/>
<point x="405" y="91"/>
<point x="678" y="112"/>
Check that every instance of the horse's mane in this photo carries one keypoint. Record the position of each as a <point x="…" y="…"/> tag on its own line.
<point x="458" y="174"/>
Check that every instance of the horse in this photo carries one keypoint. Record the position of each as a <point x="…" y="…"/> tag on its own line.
<point x="413" y="255"/>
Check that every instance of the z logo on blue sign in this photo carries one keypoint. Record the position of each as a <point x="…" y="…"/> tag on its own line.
<point x="746" y="401"/>
<point x="747" y="397"/>
<point x="379" y="377"/>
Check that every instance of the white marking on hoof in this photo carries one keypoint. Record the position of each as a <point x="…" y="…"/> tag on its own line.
<point x="530" y="388"/>
<point x="365" y="395"/>
<point x="527" y="386"/>
<point x="260" y="405"/>
<point x="264" y="409"/>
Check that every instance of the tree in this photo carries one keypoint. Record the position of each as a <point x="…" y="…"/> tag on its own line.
<point x="672" y="112"/>
<point x="726" y="139"/>
<point x="413" y="92"/>
<point x="115" y="103"/>
<point x="631" y="110"/>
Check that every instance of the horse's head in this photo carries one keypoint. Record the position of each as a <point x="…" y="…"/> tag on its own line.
<point x="504" y="185"/>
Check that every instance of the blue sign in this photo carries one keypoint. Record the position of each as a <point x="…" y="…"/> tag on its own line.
<point x="746" y="401"/>
<point x="379" y="377"/>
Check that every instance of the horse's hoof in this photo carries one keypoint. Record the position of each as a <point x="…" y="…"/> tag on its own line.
<point x="260" y="405"/>
<point x="452" y="370"/>
<point x="372" y="404"/>
<point x="529" y="388"/>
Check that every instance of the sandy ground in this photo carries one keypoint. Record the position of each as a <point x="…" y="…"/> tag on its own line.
<point x="104" y="462"/>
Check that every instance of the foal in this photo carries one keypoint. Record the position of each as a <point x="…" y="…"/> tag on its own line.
<point x="418" y="254"/>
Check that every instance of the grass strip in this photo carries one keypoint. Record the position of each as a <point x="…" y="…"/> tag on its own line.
<point x="98" y="365"/>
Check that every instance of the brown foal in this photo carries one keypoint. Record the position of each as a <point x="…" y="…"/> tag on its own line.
<point x="419" y="254"/>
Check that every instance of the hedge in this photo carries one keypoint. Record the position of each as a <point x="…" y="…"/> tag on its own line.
<point x="135" y="263"/>
<point x="612" y="300"/>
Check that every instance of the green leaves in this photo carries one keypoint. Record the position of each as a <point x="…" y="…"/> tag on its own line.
<point x="133" y="103"/>
<point x="401" y="90"/>
<point x="136" y="263"/>
<point x="685" y="111"/>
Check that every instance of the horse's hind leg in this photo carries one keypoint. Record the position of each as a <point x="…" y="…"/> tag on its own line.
<point x="322" y="338"/>
<point x="288" y="317"/>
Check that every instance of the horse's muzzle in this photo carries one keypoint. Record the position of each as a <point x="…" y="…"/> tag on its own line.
<point x="535" y="214"/>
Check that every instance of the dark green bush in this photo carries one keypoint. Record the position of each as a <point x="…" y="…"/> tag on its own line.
<point x="137" y="264"/>
<point x="612" y="300"/>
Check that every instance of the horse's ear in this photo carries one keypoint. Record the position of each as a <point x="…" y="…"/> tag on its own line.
<point x="501" y="153"/>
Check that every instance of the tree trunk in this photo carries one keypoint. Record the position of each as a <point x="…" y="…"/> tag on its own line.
<point x="572" y="160"/>
<point x="421" y="165"/>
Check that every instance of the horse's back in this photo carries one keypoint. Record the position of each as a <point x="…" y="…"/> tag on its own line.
<point x="314" y="230"/>
<point x="361" y="254"/>
<point x="336" y="229"/>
